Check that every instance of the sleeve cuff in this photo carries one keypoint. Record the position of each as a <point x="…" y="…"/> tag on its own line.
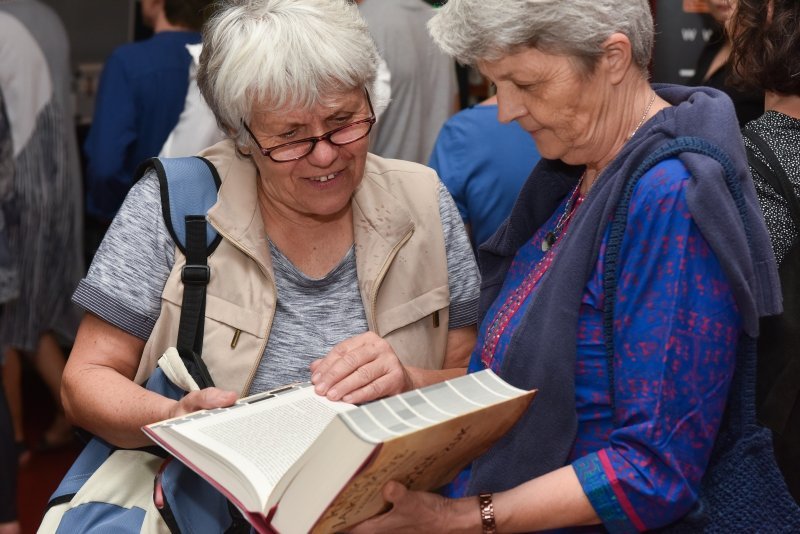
<point x="599" y="489"/>
<point x="95" y="301"/>
<point x="463" y="314"/>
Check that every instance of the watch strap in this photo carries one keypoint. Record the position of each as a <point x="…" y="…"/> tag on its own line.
<point x="487" y="513"/>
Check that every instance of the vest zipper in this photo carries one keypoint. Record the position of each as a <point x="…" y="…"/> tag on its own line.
<point x="272" y="317"/>
<point x="381" y="274"/>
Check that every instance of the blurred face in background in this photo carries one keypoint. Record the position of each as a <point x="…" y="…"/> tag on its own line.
<point x="721" y="10"/>
<point x="150" y="10"/>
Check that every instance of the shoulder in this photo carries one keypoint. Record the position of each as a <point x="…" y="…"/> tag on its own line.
<point x="398" y="175"/>
<point x="663" y="179"/>
<point x="127" y="52"/>
<point x="399" y="186"/>
<point x="664" y="182"/>
<point x="780" y="132"/>
<point x="19" y="51"/>
<point x="158" y="52"/>
<point x="659" y="198"/>
<point x="140" y="215"/>
<point x="124" y="60"/>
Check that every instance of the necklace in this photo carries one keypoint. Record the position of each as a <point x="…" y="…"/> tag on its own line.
<point x="644" y="115"/>
<point x="551" y="237"/>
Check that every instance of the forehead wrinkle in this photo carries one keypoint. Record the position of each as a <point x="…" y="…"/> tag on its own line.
<point x="332" y="106"/>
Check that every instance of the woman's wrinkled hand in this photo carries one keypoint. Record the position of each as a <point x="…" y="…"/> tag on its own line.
<point x="204" y="399"/>
<point x="360" y="369"/>
<point x="412" y="512"/>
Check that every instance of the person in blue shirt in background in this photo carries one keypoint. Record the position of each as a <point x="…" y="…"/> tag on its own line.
<point x="141" y="94"/>
<point x="483" y="163"/>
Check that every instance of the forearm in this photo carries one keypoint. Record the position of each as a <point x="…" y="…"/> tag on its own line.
<point x="97" y="388"/>
<point x="424" y="377"/>
<point x="554" y="500"/>
<point x="460" y="343"/>
<point x="111" y="406"/>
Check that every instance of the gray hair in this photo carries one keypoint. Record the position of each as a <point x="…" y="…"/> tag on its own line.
<point x="281" y="54"/>
<point x="486" y="30"/>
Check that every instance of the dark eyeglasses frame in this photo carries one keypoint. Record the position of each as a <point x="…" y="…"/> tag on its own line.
<point x="316" y="139"/>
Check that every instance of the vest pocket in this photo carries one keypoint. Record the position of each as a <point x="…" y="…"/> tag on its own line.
<point x="230" y="364"/>
<point x="235" y="316"/>
<point x="425" y="305"/>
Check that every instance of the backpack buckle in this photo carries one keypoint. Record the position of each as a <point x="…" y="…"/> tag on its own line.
<point x="195" y="274"/>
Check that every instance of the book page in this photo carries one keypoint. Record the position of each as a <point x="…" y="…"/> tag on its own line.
<point x="448" y="399"/>
<point x="261" y="438"/>
<point x="495" y="384"/>
<point x="366" y="427"/>
<point x="403" y="411"/>
<point x="420" y="406"/>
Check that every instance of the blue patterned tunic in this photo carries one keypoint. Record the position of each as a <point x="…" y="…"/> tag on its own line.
<point x="675" y="334"/>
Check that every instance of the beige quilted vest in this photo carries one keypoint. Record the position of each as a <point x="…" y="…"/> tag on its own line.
<point x="401" y="265"/>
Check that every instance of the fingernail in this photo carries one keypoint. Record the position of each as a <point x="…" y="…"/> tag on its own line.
<point x="347" y="398"/>
<point x="315" y="377"/>
<point x="333" y="394"/>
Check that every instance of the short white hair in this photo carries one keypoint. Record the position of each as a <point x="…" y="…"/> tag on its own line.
<point x="485" y="30"/>
<point x="282" y="54"/>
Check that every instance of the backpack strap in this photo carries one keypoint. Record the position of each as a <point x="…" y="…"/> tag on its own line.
<point x="188" y="190"/>
<point x="773" y="173"/>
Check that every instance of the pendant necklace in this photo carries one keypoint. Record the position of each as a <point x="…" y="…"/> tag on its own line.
<point x="552" y="236"/>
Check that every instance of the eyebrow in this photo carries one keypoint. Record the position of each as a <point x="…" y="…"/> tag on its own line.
<point x="331" y="116"/>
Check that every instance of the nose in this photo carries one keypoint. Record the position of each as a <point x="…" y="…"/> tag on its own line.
<point x="509" y="107"/>
<point x="324" y="154"/>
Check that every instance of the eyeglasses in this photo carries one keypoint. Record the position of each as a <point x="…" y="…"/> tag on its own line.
<point x="343" y="135"/>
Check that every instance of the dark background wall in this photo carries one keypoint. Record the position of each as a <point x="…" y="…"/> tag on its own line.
<point x="682" y="28"/>
<point x="95" y="27"/>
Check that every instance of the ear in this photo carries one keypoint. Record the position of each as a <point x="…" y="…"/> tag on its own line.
<point x="617" y="56"/>
<point x="244" y="150"/>
<point x="233" y="135"/>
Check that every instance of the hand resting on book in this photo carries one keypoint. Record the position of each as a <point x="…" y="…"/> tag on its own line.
<point x="204" y="399"/>
<point x="360" y="369"/>
<point x="365" y="367"/>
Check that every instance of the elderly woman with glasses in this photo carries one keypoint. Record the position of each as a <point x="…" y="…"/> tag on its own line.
<point x="334" y="264"/>
<point x="624" y="285"/>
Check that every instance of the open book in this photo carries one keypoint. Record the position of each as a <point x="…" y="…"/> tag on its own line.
<point x="293" y="461"/>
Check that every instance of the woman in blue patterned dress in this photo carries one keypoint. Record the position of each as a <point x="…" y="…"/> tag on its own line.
<point x="616" y="443"/>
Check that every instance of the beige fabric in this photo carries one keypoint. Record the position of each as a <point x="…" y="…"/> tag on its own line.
<point x="124" y="479"/>
<point x="401" y="264"/>
<point x="175" y="370"/>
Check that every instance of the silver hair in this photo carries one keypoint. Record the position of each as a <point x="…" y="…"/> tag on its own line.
<point x="485" y="30"/>
<point x="281" y="54"/>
